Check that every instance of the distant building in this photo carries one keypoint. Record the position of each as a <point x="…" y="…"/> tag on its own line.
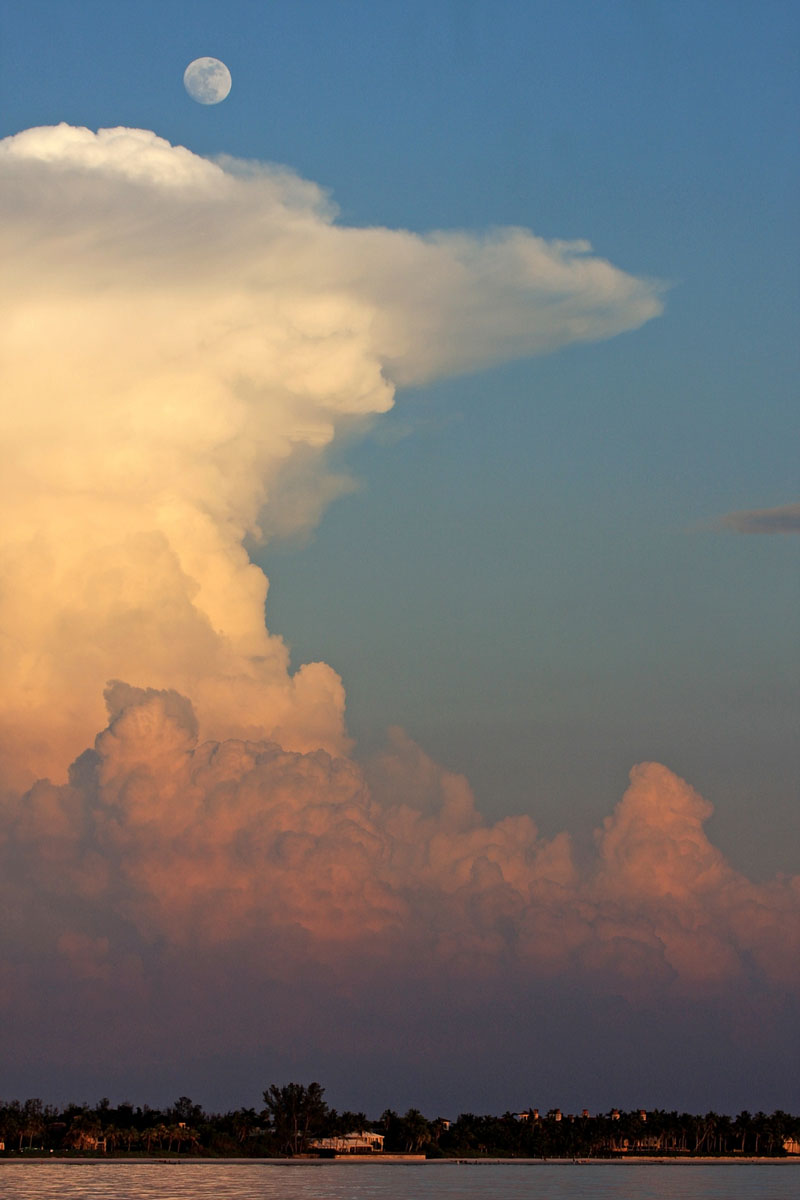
<point x="791" y="1145"/>
<point x="82" y="1139"/>
<point x="362" y="1142"/>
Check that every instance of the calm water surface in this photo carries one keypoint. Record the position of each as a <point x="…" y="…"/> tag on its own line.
<point x="359" y="1181"/>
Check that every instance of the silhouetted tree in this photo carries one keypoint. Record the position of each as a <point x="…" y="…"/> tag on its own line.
<point x="296" y="1113"/>
<point x="415" y="1130"/>
<point x="183" y="1110"/>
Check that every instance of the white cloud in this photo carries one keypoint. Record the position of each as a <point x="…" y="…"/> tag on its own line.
<point x="182" y="341"/>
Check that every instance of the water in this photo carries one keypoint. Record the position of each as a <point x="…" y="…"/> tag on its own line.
<point x="252" y="1180"/>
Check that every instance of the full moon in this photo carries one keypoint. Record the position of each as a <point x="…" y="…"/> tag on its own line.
<point x="207" y="80"/>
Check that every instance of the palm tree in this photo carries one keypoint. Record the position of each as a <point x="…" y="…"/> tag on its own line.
<point x="724" y="1130"/>
<point x="131" y="1136"/>
<point x="759" y="1127"/>
<point x="416" y="1130"/>
<point x="742" y="1127"/>
<point x="85" y="1132"/>
<point x="243" y="1121"/>
<point x="33" y="1123"/>
<point x="111" y="1135"/>
<point x="153" y="1133"/>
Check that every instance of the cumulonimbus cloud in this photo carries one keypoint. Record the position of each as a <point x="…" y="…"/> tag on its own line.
<point x="182" y="340"/>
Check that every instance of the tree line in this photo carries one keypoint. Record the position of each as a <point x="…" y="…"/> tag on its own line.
<point x="293" y="1115"/>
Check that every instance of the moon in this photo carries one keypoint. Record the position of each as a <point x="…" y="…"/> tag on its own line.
<point x="207" y="80"/>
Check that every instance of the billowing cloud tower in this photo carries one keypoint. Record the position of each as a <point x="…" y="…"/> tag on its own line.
<point x="182" y="341"/>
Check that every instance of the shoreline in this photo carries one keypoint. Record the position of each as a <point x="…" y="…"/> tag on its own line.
<point x="414" y="1160"/>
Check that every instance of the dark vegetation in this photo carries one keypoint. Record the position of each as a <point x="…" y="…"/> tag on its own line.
<point x="293" y="1115"/>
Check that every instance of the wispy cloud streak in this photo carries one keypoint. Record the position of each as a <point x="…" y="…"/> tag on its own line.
<point x="783" y="519"/>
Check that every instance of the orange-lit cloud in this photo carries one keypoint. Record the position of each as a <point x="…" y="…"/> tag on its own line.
<point x="182" y="340"/>
<point x="203" y="844"/>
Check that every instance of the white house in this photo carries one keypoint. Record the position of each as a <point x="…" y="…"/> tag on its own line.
<point x="363" y="1142"/>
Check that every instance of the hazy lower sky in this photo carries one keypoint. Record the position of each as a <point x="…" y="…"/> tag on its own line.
<point x="473" y="328"/>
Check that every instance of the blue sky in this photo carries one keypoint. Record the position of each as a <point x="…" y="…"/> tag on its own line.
<point x="528" y="576"/>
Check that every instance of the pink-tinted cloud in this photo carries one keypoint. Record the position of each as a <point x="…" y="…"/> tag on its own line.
<point x="203" y="844"/>
<point x="182" y="342"/>
<point x="182" y="898"/>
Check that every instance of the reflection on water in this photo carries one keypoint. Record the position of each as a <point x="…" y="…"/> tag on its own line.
<point x="171" y="1180"/>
